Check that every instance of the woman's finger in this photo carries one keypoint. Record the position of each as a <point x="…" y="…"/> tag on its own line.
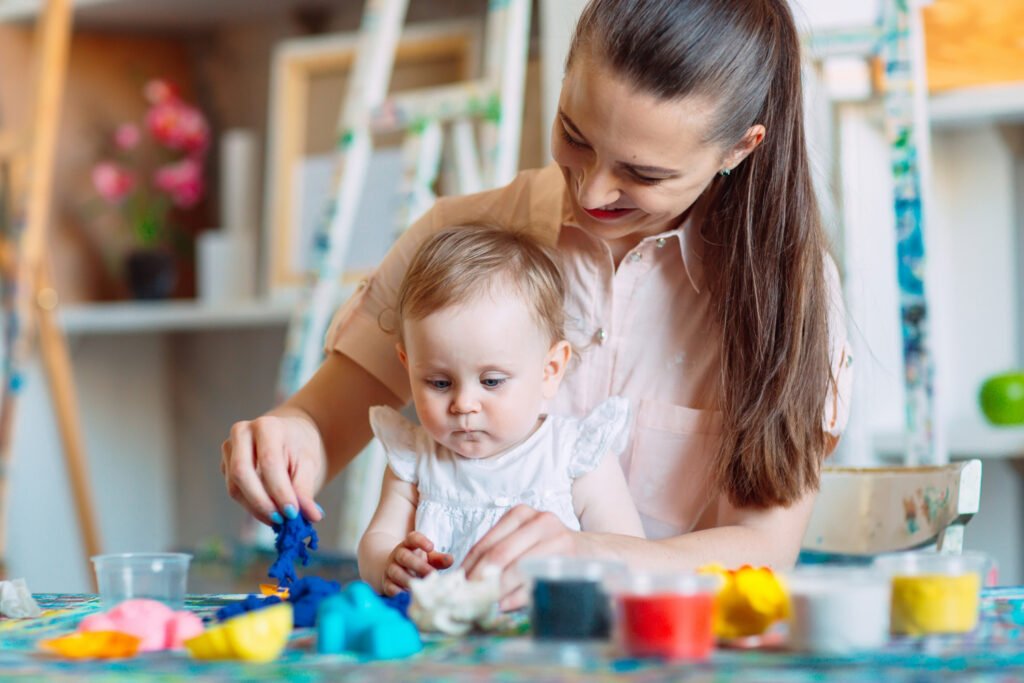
<point x="272" y="463"/>
<point x="508" y="524"/>
<point x="241" y="474"/>
<point x="541" y="527"/>
<point x="514" y="600"/>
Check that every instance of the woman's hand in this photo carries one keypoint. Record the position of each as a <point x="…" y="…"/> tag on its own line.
<point x="413" y="558"/>
<point x="275" y="464"/>
<point x="522" y="532"/>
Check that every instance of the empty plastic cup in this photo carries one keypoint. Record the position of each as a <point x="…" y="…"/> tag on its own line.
<point x="155" y="576"/>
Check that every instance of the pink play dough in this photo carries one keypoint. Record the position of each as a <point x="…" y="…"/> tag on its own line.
<point x="159" y="627"/>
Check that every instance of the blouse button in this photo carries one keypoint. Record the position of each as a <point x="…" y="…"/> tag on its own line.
<point x="601" y="335"/>
<point x="660" y="242"/>
<point x="635" y="256"/>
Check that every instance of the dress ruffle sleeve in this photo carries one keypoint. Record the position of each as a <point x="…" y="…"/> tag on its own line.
<point x="401" y="438"/>
<point x="605" y="430"/>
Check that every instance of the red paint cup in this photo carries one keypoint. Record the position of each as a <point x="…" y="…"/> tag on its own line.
<point x="667" y="615"/>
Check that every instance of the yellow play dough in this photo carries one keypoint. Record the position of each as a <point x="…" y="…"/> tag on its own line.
<point x="935" y="603"/>
<point x="257" y="636"/>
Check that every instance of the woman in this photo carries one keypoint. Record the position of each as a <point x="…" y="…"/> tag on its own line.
<point x="699" y="287"/>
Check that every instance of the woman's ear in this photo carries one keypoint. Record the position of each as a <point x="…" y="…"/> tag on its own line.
<point x="747" y="144"/>
<point x="402" y="357"/>
<point x="554" y="367"/>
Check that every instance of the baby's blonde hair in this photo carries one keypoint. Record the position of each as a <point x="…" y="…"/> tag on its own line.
<point x="456" y="264"/>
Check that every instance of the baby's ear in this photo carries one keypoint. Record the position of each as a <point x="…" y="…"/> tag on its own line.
<point x="554" y="366"/>
<point x="402" y="357"/>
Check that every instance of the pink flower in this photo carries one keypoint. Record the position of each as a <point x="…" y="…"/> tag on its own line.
<point x="182" y="181"/>
<point x="127" y="136"/>
<point x="112" y="182"/>
<point x="159" y="91"/>
<point x="176" y="125"/>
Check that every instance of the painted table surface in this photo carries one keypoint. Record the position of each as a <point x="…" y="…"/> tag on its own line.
<point x="994" y="652"/>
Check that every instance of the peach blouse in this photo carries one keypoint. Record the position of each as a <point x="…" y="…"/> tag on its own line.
<point x="643" y="330"/>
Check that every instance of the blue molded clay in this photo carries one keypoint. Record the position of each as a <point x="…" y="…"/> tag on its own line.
<point x="330" y="626"/>
<point x="390" y="638"/>
<point x="290" y="544"/>
<point x="357" y="620"/>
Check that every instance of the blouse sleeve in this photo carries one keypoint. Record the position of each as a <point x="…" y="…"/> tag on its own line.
<point x="605" y="430"/>
<point x="400" y="438"/>
<point x="837" y="400"/>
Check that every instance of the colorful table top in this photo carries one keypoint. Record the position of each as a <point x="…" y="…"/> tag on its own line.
<point x="994" y="652"/>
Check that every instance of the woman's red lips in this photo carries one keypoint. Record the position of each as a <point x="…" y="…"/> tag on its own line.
<point x="606" y="214"/>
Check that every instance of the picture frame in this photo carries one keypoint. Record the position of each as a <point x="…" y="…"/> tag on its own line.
<point x="308" y="85"/>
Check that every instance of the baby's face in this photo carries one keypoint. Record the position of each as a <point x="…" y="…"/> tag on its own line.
<point x="480" y="373"/>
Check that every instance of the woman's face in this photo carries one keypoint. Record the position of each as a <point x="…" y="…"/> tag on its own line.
<point x="633" y="163"/>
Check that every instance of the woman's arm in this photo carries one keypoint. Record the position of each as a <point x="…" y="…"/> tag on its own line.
<point x="759" y="537"/>
<point x="602" y="502"/>
<point x="279" y="461"/>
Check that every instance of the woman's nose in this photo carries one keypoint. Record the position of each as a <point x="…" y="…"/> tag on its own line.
<point x="597" y="188"/>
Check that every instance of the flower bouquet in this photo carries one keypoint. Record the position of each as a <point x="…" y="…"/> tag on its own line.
<point x="154" y="175"/>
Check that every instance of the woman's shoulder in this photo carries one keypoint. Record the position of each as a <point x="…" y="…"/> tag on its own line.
<point x="531" y="202"/>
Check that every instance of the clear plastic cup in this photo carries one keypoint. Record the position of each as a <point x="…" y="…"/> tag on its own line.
<point x="665" y="615"/>
<point x="569" y="596"/>
<point x="934" y="592"/>
<point x="155" y="576"/>
<point x="838" y="610"/>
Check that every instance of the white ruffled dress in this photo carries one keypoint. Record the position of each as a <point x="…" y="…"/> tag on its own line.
<point x="461" y="499"/>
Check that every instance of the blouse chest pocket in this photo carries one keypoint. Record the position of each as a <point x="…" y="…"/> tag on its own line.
<point x="671" y="458"/>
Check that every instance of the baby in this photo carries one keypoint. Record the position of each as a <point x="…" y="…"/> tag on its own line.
<point x="480" y="324"/>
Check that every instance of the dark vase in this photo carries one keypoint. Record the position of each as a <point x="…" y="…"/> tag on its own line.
<point x="152" y="273"/>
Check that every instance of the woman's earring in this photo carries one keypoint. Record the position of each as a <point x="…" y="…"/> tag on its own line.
<point x="724" y="172"/>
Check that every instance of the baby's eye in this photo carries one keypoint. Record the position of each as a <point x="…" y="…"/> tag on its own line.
<point x="492" y="382"/>
<point x="439" y="384"/>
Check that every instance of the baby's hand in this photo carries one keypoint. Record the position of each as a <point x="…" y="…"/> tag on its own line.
<point x="413" y="558"/>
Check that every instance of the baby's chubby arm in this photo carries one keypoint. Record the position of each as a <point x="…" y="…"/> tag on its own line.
<point x="602" y="502"/>
<point x="391" y="552"/>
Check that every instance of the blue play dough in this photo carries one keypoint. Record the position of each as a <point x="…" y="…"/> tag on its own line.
<point x="358" y="620"/>
<point x="251" y="602"/>
<point x="399" y="602"/>
<point x="290" y="544"/>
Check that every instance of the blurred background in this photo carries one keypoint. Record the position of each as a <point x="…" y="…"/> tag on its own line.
<point x="189" y="178"/>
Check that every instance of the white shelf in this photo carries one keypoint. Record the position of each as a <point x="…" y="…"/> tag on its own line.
<point x="965" y="439"/>
<point x="981" y="104"/>
<point x="171" y="316"/>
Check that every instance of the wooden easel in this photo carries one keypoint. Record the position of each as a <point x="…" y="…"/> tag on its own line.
<point x="28" y="292"/>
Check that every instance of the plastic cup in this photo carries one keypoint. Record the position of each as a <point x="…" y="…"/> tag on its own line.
<point x="838" y="610"/>
<point x="569" y="597"/>
<point x="666" y="615"/>
<point x="154" y="576"/>
<point x="934" y="593"/>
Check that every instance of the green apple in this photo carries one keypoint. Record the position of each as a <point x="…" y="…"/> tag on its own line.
<point x="1002" y="398"/>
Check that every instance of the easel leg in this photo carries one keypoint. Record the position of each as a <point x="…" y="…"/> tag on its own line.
<point x="57" y="362"/>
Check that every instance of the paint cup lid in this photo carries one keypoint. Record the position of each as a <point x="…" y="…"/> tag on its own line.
<point x="557" y="568"/>
<point x="920" y="563"/>
<point x="675" y="583"/>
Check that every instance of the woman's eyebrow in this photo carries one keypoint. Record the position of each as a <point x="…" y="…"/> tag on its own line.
<point x="647" y="170"/>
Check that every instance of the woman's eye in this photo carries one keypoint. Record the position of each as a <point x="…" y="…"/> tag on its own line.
<point x="573" y="142"/>
<point x="492" y="382"/>
<point x="645" y="180"/>
<point x="439" y="384"/>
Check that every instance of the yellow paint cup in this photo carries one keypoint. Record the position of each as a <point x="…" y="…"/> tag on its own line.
<point x="934" y="593"/>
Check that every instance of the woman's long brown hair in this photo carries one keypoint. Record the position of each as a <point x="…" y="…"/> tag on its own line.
<point x="765" y="249"/>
